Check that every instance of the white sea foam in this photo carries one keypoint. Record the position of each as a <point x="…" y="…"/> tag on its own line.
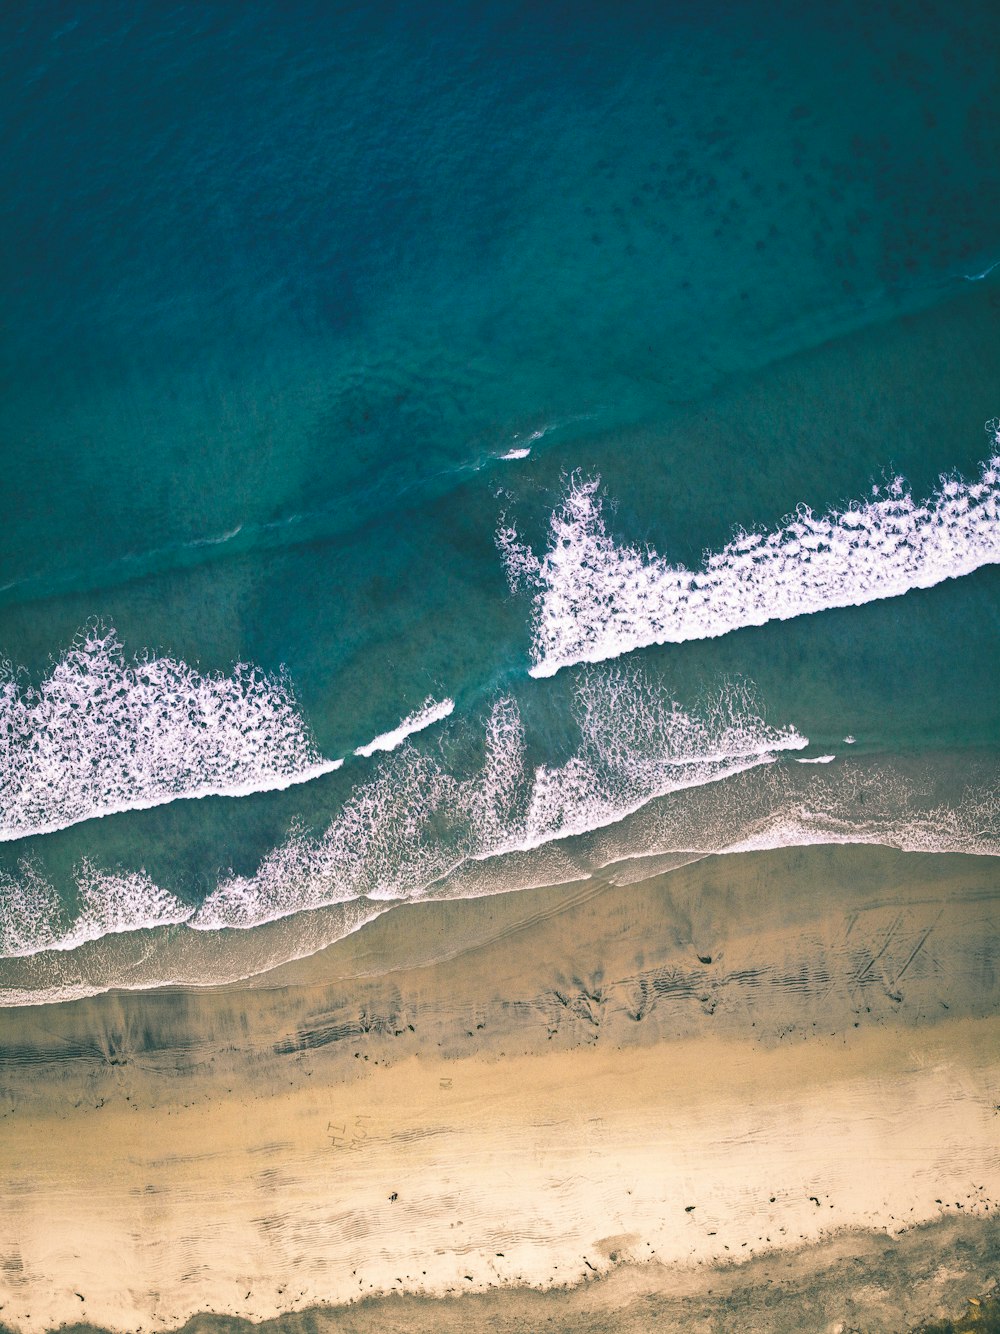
<point x="636" y="744"/>
<point x="818" y="759"/>
<point x="101" y="734"/>
<point x="431" y="712"/>
<point x="389" y="841"/>
<point x="978" y="277"/>
<point x="874" y="804"/>
<point x="34" y="920"/>
<point x="933" y="805"/>
<point x="597" y="599"/>
<point x="415" y="822"/>
<point x="945" y="804"/>
<point x="647" y="779"/>
<point x="522" y="451"/>
<point x="138" y="960"/>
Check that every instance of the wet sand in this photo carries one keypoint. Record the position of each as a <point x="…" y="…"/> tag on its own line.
<point x="590" y="1096"/>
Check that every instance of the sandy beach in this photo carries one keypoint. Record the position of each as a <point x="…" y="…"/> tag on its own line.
<point x="767" y="1073"/>
<point x="499" y="627"/>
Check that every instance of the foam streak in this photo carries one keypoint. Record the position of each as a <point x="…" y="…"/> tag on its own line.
<point x="431" y="712"/>
<point x="33" y="920"/>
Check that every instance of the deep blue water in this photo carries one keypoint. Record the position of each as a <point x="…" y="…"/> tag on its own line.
<point x="282" y="284"/>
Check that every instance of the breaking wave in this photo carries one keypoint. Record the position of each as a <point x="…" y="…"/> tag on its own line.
<point x="637" y="744"/>
<point x="431" y="712"/>
<point x="948" y="804"/>
<point x="642" y="778"/>
<point x="942" y="804"/>
<point x="416" y="822"/>
<point x="952" y="805"/>
<point x="596" y="599"/>
<point x="102" y="734"/>
<point x="33" y="920"/>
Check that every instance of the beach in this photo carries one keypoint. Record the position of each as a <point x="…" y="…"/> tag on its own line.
<point x="499" y="610"/>
<point x="602" y="1093"/>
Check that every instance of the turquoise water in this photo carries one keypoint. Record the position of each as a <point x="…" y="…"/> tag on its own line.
<point x="303" y="305"/>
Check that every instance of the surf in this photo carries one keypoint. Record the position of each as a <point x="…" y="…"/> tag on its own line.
<point x="102" y="734"/>
<point x="596" y="599"/>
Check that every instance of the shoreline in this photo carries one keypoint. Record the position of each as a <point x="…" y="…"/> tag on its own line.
<point x="781" y="809"/>
<point x="732" y="1061"/>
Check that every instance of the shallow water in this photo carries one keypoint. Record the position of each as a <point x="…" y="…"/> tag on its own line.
<point x="303" y="309"/>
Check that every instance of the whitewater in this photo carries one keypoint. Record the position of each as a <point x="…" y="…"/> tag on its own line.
<point x="596" y="599"/>
<point x="103" y="734"/>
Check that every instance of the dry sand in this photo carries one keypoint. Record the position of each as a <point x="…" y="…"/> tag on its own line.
<point x="636" y="1082"/>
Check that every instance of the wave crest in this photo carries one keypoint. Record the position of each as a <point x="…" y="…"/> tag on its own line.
<point x="34" y="920"/>
<point x="416" y="822"/>
<point x="101" y="734"/>
<point x="596" y="599"/>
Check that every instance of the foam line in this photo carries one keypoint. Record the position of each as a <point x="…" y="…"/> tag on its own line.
<point x="414" y="822"/>
<point x="637" y="744"/>
<point x="173" y="957"/>
<point x="913" y="805"/>
<point x="101" y="735"/>
<point x="646" y="778"/>
<point x="596" y="599"/>
<point x="712" y="767"/>
<point x="33" y="920"/>
<point x="978" y="277"/>
<point x="430" y="713"/>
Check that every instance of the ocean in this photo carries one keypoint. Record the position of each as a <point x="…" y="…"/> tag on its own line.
<point x="453" y="449"/>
